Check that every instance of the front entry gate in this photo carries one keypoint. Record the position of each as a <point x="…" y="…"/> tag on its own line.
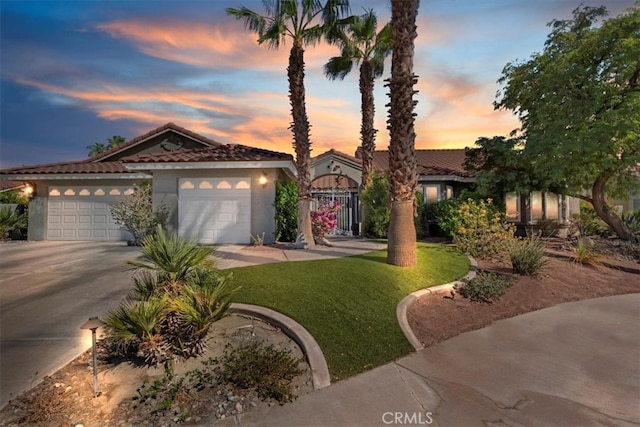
<point x="349" y="213"/>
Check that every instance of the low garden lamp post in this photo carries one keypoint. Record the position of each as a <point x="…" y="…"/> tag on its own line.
<point x="94" y="323"/>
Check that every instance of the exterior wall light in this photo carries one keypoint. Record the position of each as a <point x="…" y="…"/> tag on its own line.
<point x="94" y="323"/>
<point x="263" y="180"/>
<point x="28" y="190"/>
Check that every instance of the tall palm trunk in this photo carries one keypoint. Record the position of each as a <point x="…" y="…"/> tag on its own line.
<point x="367" y="132"/>
<point x="402" y="162"/>
<point x="302" y="145"/>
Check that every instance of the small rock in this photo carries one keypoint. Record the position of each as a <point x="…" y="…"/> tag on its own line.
<point x="239" y="407"/>
<point x="79" y="425"/>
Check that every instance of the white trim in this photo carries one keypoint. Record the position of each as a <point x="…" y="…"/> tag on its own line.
<point x="74" y="176"/>
<point x="284" y="164"/>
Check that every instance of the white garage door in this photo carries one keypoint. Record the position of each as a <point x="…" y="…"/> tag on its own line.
<point x="215" y="210"/>
<point x="82" y="213"/>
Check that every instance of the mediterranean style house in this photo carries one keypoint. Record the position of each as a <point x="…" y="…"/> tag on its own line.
<point x="224" y="193"/>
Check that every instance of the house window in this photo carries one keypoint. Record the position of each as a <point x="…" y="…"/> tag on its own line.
<point x="513" y="207"/>
<point x="449" y="191"/>
<point x="536" y="206"/>
<point x="431" y="194"/>
<point x="635" y="204"/>
<point x="551" y="206"/>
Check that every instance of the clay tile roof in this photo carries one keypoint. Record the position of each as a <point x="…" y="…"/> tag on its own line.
<point x="429" y="162"/>
<point x="70" y="167"/>
<point x="149" y="134"/>
<point x="221" y="153"/>
<point x="10" y="185"/>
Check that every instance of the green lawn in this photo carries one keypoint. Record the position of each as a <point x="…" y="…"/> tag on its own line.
<point x="349" y="304"/>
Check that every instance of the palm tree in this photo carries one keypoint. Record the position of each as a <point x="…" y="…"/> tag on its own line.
<point x="96" y="149"/>
<point x="99" y="147"/>
<point x="359" y="44"/>
<point x="402" y="160"/>
<point x="305" y="22"/>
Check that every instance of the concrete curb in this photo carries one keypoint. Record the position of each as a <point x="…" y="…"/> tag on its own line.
<point x="403" y="306"/>
<point x="295" y="331"/>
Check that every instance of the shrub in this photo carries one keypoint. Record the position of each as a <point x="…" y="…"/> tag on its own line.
<point x="10" y="220"/>
<point x="177" y="296"/>
<point x="136" y="214"/>
<point x="485" y="287"/>
<point x="526" y="255"/>
<point x="375" y="206"/>
<point x="632" y="220"/>
<point x="324" y="219"/>
<point x="589" y="223"/>
<point x="262" y="367"/>
<point x="286" y="205"/>
<point x="482" y="230"/>
<point x="584" y="252"/>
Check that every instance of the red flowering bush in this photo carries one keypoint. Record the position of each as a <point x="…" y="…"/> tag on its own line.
<point x="324" y="219"/>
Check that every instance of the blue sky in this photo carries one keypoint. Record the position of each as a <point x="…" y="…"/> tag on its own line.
<point x="77" y="72"/>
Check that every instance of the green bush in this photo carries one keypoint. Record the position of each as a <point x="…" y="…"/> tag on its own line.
<point x="136" y="214"/>
<point x="286" y="205"/>
<point x="632" y="219"/>
<point x="375" y="205"/>
<point x="526" y="255"/>
<point x="589" y="223"/>
<point x="261" y="367"/>
<point x="10" y="220"/>
<point x="478" y="228"/>
<point x="485" y="287"/>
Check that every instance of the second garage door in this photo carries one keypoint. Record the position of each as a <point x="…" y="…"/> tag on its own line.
<point x="215" y="210"/>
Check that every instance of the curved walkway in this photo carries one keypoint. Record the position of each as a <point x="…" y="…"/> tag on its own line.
<point x="573" y="364"/>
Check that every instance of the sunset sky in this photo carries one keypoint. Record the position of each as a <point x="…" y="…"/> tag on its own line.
<point x="77" y="72"/>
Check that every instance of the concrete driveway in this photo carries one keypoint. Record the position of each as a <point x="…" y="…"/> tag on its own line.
<point x="47" y="291"/>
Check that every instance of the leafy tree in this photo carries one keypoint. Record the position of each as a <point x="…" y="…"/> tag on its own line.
<point x="579" y="106"/>
<point x="305" y="22"/>
<point x="500" y="167"/>
<point x="402" y="160"/>
<point x="360" y="44"/>
<point x="286" y="211"/>
<point x="99" y="147"/>
<point x="375" y="199"/>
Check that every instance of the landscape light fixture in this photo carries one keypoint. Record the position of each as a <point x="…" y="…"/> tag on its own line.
<point x="263" y="180"/>
<point x="94" y="323"/>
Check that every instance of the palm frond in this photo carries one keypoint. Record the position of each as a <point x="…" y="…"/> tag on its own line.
<point x="136" y="320"/>
<point x="145" y="285"/>
<point x="171" y="255"/>
<point x="338" y="67"/>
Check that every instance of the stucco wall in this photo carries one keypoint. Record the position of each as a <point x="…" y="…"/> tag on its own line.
<point x="165" y="191"/>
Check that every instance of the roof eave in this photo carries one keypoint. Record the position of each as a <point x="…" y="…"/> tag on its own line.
<point x="287" y="165"/>
<point x="74" y="176"/>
